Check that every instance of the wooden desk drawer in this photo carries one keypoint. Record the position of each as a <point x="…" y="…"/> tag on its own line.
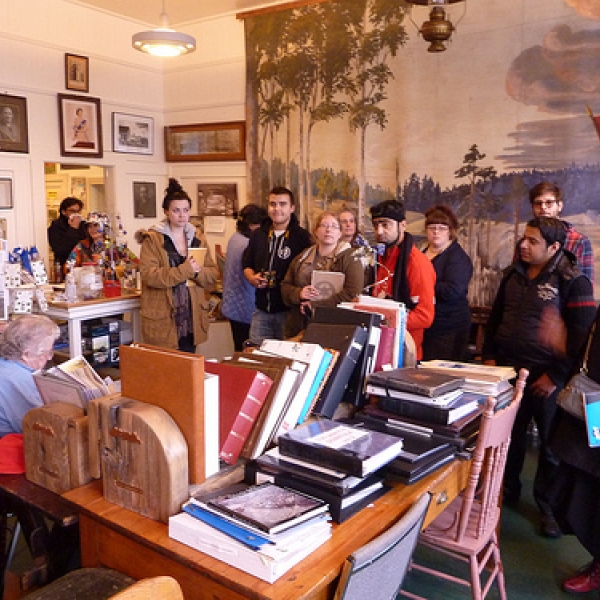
<point x="446" y="489"/>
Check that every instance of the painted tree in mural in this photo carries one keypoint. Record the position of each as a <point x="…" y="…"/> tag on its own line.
<point x="377" y="33"/>
<point x="476" y="175"/>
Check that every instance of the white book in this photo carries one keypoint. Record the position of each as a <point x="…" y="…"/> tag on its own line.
<point x="266" y="565"/>
<point x="308" y="353"/>
<point x="442" y="400"/>
<point x="211" y="423"/>
<point x="473" y="371"/>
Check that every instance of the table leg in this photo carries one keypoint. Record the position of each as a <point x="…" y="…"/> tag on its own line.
<point x="74" y="337"/>
<point x="136" y="324"/>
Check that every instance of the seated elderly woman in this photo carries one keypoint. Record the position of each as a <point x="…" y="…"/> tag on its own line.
<point x="328" y="254"/>
<point x="26" y="345"/>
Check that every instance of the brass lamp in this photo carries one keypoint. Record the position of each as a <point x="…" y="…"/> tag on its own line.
<point x="438" y="29"/>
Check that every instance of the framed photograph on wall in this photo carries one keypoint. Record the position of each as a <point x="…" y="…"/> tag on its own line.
<point x="80" y="126"/>
<point x="144" y="199"/>
<point x="216" y="199"/>
<point x="77" y="73"/>
<point x="6" y="193"/>
<point x="132" y="134"/>
<point x="210" y="142"/>
<point x="14" y="135"/>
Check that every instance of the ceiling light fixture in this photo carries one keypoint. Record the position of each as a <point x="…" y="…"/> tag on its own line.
<point x="163" y="41"/>
<point x="438" y="29"/>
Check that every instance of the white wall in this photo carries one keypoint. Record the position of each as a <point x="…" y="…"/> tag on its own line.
<point x="206" y="86"/>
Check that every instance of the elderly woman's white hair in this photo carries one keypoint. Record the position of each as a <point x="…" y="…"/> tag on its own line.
<point x="27" y="333"/>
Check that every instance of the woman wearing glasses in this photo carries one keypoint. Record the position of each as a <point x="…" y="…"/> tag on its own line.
<point x="329" y="253"/>
<point x="448" y="336"/>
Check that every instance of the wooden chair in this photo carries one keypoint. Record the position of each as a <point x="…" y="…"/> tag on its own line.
<point x="467" y="528"/>
<point x="377" y="569"/>
<point x="163" y="587"/>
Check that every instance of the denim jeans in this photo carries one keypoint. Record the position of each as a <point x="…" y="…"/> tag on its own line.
<point x="267" y="326"/>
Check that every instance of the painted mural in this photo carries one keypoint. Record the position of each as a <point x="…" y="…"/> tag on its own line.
<point x="347" y="107"/>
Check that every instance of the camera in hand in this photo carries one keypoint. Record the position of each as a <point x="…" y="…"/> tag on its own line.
<point x="271" y="278"/>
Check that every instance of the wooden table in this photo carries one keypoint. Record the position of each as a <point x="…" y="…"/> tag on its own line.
<point x="117" y="538"/>
<point x="76" y="312"/>
<point x="34" y="505"/>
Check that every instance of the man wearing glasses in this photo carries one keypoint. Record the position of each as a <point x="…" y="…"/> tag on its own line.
<point x="547" y="201"/>
<point x="410" y="277"/>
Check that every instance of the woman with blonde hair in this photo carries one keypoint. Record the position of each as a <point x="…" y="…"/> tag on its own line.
<point x="448" y="336"/>
<point x="329" y="253"/>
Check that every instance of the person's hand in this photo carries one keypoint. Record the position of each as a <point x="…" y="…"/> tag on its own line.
<point x="75" y="220"/>
<point x="258" y="281"/>
<point x="306" y="308"/>
<point x="543" y="387"/>
<point x="195" y="264"/>
<point x="308" y="292"/>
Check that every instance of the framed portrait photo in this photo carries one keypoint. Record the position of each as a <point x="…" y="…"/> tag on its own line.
<point x="80" y="126"/>
<point x="77" y="73"/>
<point x="132" y="134"/>
<point x="6" y="193"/>
<point x="14" y="135"/>
<point x="144" y="199"/>
<point x="210" y="142"/>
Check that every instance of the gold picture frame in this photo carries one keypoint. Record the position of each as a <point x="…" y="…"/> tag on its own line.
<point x="205" y="142"/>
<point x="77" y="73"/>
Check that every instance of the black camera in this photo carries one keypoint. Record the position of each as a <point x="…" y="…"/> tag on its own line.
<point x="271" y="277"/>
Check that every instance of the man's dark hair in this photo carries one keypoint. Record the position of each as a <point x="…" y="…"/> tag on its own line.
<point x="279" y="190"/>
<point x="389" y="209"/>
<point x="545" y="187"/>
<point x="251" y="214"/>
<point x="552" y="229"/>
<point x="68" y="202"/>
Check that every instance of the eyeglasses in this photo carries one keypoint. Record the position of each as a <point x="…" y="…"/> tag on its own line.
<point x="329" y="226"/>
<point x="437" y="227"/>
<point x="540" y="203"/>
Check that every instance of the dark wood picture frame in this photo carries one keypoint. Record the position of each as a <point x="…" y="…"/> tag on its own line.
<point x="144" y="205"/>
<point x="216" y="199"/>
<point x="206" y="142"/>
<point x="14" y="132"/>
<point x="80" y="121"/>
<point x="77" y="73"/>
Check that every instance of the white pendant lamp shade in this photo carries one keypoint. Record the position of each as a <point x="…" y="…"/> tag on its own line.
<point x="163" y="41"/>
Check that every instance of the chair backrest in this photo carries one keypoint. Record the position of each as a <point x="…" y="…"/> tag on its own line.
<point x="488" y="462"/>
<point x="377" y="569"/>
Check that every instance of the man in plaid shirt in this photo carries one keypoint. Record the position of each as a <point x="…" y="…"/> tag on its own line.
<point x="547" y="201"/>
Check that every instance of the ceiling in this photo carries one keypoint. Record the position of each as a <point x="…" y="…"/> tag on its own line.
<point x="179" y="11"/>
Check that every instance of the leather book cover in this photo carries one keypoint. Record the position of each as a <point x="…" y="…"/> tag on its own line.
<point x="272" y="367"/>
<point x="417" y="381"/>
<point x="242" y="393"/>
<point x="174" y="381"/>
<point x="354" y="393"/>
<point x="349" y="340"/>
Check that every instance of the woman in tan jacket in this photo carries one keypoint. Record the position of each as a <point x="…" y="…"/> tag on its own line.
<point x="174" y="307"/>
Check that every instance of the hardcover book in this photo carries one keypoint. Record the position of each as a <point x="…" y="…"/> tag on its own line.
<point x="592" y="418"/>
<point x="327" y="283"/>
<point x="349" y="340"/>
<point x="416" y="381"/>
<point x="443" y="415"/>
<point x="341" y="508"/>
<point x="243" y="392"/>
<point x="354" y="393"/>
<point x="267" y="507"/>
<point x="410" y="472"/>
<point x="469" y="370"/>
<point x="441" y="400"/>
<point x="354" y="450"/>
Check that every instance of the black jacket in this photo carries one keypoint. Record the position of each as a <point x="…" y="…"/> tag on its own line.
<point x="63" y="238"/>
<point x="517" y="320"/>
<point x="266" y="252"/>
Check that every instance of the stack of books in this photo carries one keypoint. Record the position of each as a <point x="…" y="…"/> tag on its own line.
<point x="339" y="463"/>
<point x="262" y="529"/>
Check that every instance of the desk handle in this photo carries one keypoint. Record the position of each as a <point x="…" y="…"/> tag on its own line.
<point x="441" y="498"/>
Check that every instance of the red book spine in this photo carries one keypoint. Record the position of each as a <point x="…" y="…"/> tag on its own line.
<point x="244" y="421"/>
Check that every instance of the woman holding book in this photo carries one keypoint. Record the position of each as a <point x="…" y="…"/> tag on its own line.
<point x="27" y="344"/>
<point x="330" y="253"/>
<point x="448" y="335"/>
<point x="174" y="307"/>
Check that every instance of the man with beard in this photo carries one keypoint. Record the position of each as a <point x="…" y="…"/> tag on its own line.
<point x="405" y="274"/>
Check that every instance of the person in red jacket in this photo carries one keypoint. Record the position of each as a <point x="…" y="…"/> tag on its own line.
<point x="410" y="276"/>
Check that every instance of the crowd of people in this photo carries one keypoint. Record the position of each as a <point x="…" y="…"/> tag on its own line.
<point x="541" y="318"/>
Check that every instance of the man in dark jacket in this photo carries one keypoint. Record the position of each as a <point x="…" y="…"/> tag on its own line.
<point x="539" y="321"/>
<point x="68" y="230"/>
<point x="266" y="260"/>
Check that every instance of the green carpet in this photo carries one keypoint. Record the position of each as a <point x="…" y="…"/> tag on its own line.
<point x="534" y="566"/>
